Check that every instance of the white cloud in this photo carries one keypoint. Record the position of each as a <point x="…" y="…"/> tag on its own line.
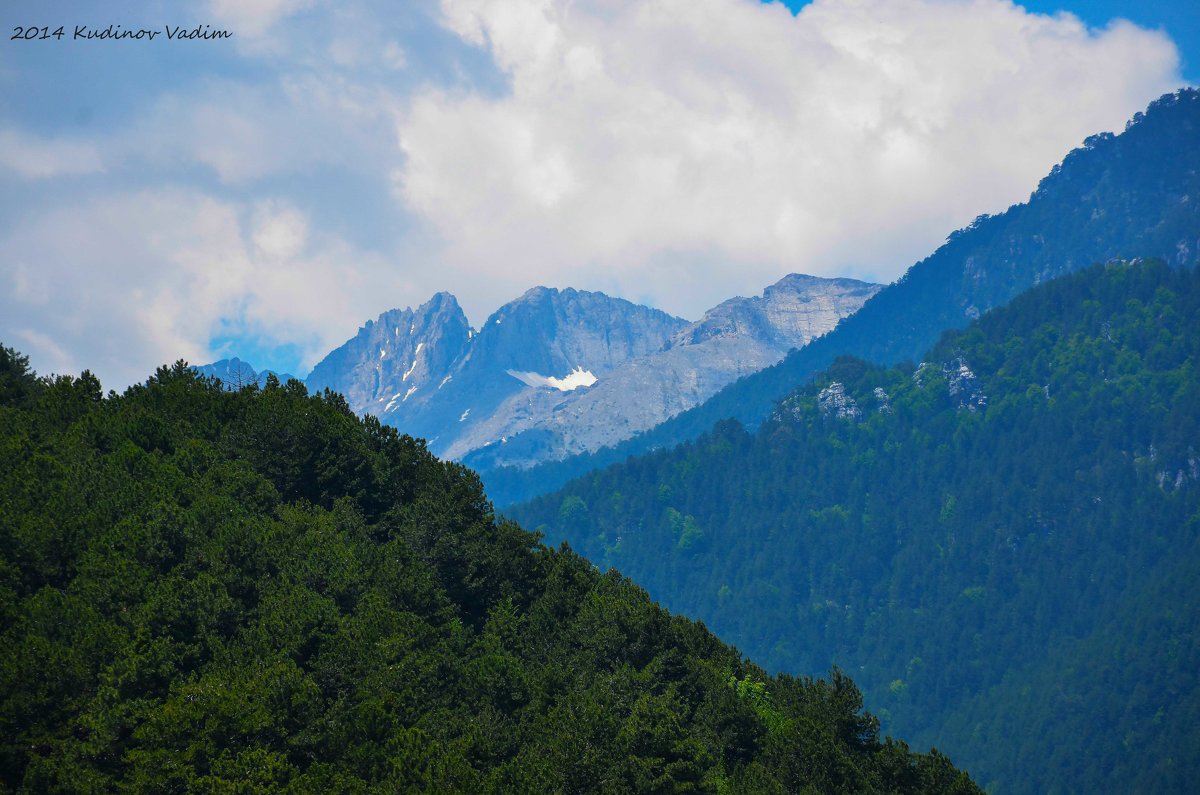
<point x="241" y="194"/>
<point x="279" y="233"/>
<point x="127" y="282"/>
<point x="727" y="142"/>
<point x="50" y="357"/>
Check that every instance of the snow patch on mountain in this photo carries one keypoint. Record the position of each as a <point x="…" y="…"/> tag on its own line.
<point x="569" y="383"/>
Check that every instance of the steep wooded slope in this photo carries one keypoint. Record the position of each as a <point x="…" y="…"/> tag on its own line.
<point x="981" y="540"/>
<point x="257" y="591"/>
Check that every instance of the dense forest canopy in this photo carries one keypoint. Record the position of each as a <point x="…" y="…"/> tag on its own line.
<point x="257" y="591"/>
<point x="1000" y="544"/>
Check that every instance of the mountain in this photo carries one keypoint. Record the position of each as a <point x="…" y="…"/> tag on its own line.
<point x="789" y="314"/>
<point x="735" y="338"/>
<point x="395" y="356"/>
<point x="259" y="591"/>
<point x="558" y="372"/>
<point x="532" y="354"/>
<point x="999" y="543"/>
<point x="235" y="374"/>
<point x="1133" y="194"/>
<point x="429" y="374"/>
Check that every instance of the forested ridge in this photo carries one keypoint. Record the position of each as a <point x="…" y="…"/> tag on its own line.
<point x="1000" y="544"/>
<point x="1118" y="196"/>
<point x="257" y="591"/>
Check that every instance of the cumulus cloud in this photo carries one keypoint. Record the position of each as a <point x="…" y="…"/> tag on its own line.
<point x="123" y="283"/>
<point x="683" y="150"/>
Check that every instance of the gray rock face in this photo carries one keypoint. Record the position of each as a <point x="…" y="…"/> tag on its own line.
<point x="545" y="345"/>
<point x="429" y="374"/>
<point x="552" y="331"/>
<point x="394" y="357"/>
<point x="557" y="372"/>
<point x="789" y="314"/>
<point x="738" y="337"/>
<point x="834" y="402"/>
<point x="963" y="386"/>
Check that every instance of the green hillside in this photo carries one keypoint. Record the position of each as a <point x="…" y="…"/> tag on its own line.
<point x="205" y="591"/>
<point x="997" y="544"/>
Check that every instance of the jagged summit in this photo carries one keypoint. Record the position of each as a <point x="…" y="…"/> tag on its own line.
<point x="396" y="355"/>
<point x="553" y="331"/>
<point x="789" y="313"/>
<point x="735" y="338"/>
<point x="427" y="372"/>
<point x="557" y="371"/>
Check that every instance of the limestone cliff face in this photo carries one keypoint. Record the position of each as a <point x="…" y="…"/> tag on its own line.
<point x="530" y="353"/>
<point x="737" y="337"/>
<point x="556" y="372"/>
<point x="789" y="313"/>
<point x="554" y="331"/>
<point x="426" y="372"/>
<point x="393" y="358"/>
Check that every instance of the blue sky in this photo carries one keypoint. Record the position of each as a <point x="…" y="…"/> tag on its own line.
<point x="264" y="195"/>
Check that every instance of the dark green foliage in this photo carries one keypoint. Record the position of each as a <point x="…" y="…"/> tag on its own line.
<point x="1004" y="557"/>
<point x="1133" y="194"/>
<point x="256" y="591"/>
<point x="18" y="384"/>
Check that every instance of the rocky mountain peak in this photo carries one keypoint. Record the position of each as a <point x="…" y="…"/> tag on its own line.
<point x="553" y="332"/>
<point x="572" y="411"/>
<point x="394" y="356"/>
<point x="789" y="313"/>
<point x="562" y="370"/>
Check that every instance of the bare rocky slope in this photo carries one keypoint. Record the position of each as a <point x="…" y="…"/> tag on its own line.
<point x="736" y="338"/>
<point x="559" y="372"/>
